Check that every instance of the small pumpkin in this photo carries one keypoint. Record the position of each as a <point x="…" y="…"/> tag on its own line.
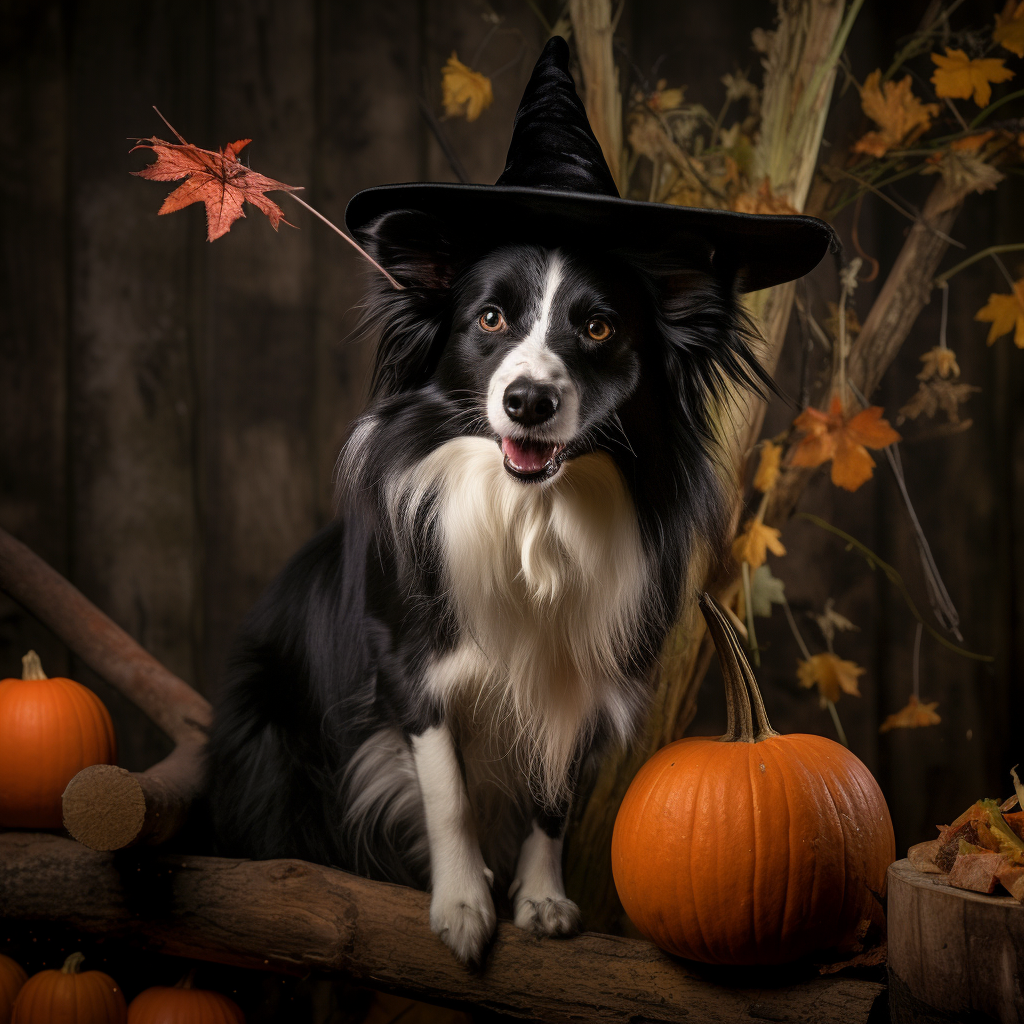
<point x="752" y="848"/>
<point x="12" y="977"/>
<point x="70" y="996"/>
<point x="50" y="729"/>
<point x="183" y="1004"/>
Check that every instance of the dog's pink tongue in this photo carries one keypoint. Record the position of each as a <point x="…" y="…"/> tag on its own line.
<point x="528" y="459"/>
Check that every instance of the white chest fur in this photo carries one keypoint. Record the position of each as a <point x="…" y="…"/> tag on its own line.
<point x="549" y="583"/>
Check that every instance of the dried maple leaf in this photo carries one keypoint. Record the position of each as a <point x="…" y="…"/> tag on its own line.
<point x="218" y="179"/>
<point x="1005" y="313"/>
<point x="963" y="171"/>
<point x="831" y="620"/>
<point x="768" y="468"/>
<point x="1009" y="30"/>
<point x="831" y="674"/>
<point x="958" y="77"/>
<point x="900" y="115"/>
<point x="937" y="394"/>
<point x="913" y="716"/>
<point x="464" y="92"/>
<point x="754" y="543"/>
<point x="845" y="441"/>
<point x="764" y="200"/>
<point x="939" y="361"/>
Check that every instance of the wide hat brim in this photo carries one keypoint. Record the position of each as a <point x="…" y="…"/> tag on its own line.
<point x="556" y="190"/>
<point x="758" y="250"/>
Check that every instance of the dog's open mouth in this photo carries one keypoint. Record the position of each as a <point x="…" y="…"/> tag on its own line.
<point x="531" y="460"/>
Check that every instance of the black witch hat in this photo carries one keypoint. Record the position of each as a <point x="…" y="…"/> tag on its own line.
<point x="556" y="189"/>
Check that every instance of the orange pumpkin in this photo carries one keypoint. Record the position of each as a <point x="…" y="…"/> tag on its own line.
<point x="183" y="1004"/>
<point x="12" y="977"/>
<point x="754" y="848"/>
<point x="50" y="729"/>
<point x="70" y="996"/>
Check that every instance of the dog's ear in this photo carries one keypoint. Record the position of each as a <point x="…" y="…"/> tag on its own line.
<point x="413" y="247"/>
<point x="421" y="255"/>
<point x="710" y="343"/>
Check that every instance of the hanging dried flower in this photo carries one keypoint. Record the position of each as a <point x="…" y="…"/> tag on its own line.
<point x="913" y="716"/>
<point x="939" y="361"/>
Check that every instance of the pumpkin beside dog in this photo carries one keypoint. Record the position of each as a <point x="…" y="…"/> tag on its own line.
<point x="754" y="848"/>
<point x="50" y="729"/>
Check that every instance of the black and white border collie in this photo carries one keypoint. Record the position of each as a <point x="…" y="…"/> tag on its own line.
<point x="522" y="508"/>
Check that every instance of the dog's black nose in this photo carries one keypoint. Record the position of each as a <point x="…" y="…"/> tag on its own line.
<point x="529" y="402"/>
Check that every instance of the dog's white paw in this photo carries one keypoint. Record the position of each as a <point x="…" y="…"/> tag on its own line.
<point x="556" y="916"/>
<point x="464" y="919"/>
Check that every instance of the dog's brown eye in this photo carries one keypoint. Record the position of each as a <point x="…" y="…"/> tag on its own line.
<point x="492" y="320"/>
<point x="598" y="329"/>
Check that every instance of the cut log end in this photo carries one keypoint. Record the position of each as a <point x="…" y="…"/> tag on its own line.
<point x="104" y="807"/>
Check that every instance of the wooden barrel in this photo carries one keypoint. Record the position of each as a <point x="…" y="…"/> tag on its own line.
<point x="954" y="955"/>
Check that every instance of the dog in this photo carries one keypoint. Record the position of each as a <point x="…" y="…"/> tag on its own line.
<point x="523" y="508"/>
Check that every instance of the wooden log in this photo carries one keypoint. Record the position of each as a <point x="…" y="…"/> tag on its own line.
<point x="106" y="807"/>
<point x="292" y="916"/>
<point x="953" y="954"/>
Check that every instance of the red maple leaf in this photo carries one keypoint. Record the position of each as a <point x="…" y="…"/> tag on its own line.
<point x="218" y="179"/>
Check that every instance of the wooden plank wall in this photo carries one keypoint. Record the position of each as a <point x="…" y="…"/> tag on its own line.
<point x="172" y="409"/>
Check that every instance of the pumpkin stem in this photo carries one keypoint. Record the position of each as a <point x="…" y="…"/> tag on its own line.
<point x="743" y="698"/>
<point x="73" y="964"/>
<point x="188" y="980"/>
<point x="32" y="667"/>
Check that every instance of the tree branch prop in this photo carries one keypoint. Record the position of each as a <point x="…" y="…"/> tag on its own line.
<point x="799" y="74"/>
<point x="905" y="293"/>
<point x="593" y="28"/>
<point x="106" y="807"/>
<point x="292" y="916"/>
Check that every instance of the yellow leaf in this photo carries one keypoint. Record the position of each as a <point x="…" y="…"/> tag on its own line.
<point x="941" y="361"/>
<point x="754" y="543"/>
<point x="831" y="674"/>
<point x="913" y="716"/>
<point x="1009" y="30"/>
<point x="958" y="77"/>
<point x="768" y="468"/>
<point x="465" y="92"/>
<point x="1005" y="313"/>
<point x="972" y="143"/>
<point x="900" y="115"/>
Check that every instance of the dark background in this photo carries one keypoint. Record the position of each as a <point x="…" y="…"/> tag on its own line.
<point x="172" y="410"/>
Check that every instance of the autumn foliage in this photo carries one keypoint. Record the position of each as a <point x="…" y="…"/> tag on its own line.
<point x="843" y="440"/>
<point x="218" y="179"/>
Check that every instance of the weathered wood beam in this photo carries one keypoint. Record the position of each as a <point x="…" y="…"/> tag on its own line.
<point x="292" y="916"/>
<point x="106" y="807"/>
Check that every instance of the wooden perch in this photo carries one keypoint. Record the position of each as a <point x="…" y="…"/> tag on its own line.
<point x="106" y="807"/>
<point x="292" y="916"/>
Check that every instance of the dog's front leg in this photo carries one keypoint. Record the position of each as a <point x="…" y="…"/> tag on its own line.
<point x="461" y="908"/>
<point x="538" y="895"/>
